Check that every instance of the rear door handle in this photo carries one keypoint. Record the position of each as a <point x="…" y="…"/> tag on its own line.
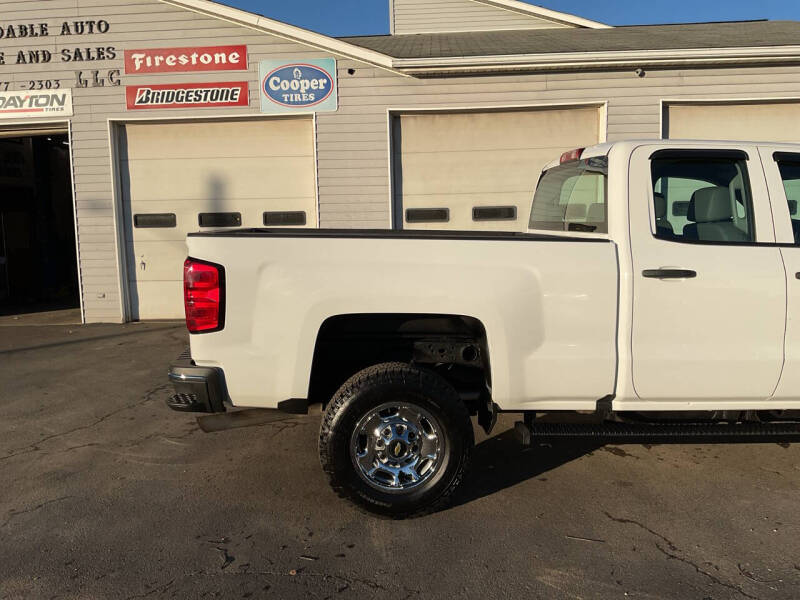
<point x="666" y="273"/>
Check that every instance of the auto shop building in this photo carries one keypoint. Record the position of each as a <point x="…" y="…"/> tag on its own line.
<point x="126" y="124"/>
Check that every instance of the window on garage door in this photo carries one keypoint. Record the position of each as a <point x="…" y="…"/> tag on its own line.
<point x="478" y="170"/>
<point x="183" y="176"/>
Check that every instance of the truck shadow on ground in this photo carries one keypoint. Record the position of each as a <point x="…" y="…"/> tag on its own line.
<point x="501" y="462"/>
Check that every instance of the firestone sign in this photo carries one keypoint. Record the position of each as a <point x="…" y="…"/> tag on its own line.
<point x="186" y="60"/>
<point x="14" y="105"/>
<point x="298" y="87"/>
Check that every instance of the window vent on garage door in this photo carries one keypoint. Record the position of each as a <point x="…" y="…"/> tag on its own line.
<point x="153" y="221"/>
<point x="285" y="219"/>
<point x="494" y="213"/>
<point x="220" y="219"/>
<point x="428" y="215"/>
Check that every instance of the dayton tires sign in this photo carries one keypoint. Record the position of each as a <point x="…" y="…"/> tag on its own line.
<point x="14" y="105"/>
<point x="298" y="87"/>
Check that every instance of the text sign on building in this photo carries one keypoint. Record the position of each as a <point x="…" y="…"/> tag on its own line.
<point x="16" y="105"/>
<point x="186" y="60"/>
<point x="288" y="87"/>
<point x="187" y="95"/>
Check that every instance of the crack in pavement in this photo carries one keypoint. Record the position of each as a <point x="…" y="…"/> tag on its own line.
<point x="671" y="553"/>
<point x="672" y="546"/>
<point x="753" y="578"/>
<point x="700" y="571"/>
<point x="160" y="588"/>
<point x="89" y="445"/>
<point x="33" y="447"/>
<point x="281" y="426"/>
<point x="349" y="581"/>
<point x="15" y="513"/>
<point x="227" y="559"/>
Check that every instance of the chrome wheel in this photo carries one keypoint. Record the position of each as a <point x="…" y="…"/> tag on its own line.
<point x="397" y="446"/>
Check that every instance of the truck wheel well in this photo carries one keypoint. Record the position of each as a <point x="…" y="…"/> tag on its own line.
<point x="454" y="346"/>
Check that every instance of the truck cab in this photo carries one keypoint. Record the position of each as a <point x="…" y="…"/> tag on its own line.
<point x="705" y="232"/>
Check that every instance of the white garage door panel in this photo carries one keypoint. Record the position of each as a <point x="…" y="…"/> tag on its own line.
<point x="163" y="261"/>
<point x="460" y="161"/>
<point x="454" y="171"/>
<point x="222" y="139"/>
<point x="768" y="122"/>
<point x="278" y="177"/>
<point x="151" y="298"/>
<point x="497" y="130"/>
<point x="188" y="168"/>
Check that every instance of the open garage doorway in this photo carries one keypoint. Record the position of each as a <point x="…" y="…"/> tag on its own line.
<point x="38" y="259"/>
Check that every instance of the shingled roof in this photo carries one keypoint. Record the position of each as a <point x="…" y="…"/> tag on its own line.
<point x="746" y="34"/>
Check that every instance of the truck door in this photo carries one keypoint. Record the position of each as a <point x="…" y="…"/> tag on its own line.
<point x="783" y="178"/>
<point x="709" y="290"/>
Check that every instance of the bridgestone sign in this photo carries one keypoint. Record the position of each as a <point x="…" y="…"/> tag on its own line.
<point x="187" y="95"/>
<point x="19" y="105"/>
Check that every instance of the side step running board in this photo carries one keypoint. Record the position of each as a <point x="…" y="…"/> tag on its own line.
<point x="623" y="431"/>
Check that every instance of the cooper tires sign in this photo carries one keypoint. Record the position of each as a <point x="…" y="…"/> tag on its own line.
<point x="308" y="86"/>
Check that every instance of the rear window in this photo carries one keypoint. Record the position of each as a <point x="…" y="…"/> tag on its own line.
<point x="572" y="197"/>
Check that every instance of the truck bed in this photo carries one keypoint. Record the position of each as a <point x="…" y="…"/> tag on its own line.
<point x="548" y="305"/>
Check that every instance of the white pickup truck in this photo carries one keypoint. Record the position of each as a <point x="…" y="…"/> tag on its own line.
<point x="657" y="286"/>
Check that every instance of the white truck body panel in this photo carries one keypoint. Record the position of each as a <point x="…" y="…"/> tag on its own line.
<point x="551" y="337"/>
<point x="569" y="321"/>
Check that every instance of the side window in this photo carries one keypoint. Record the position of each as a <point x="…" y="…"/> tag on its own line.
<point x="702" y="197"/>
<point x="790" y="174"/>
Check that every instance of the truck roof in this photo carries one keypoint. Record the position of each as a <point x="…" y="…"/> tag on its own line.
<point x="605" y="148"/>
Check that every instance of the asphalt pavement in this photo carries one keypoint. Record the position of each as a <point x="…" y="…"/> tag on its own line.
<point x="105" y="493"/>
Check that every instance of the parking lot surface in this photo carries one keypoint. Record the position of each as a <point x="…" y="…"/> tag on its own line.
<point x="108" y="494"/>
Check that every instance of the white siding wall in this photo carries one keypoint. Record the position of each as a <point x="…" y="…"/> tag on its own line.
<point x="134" y="24"/>
<point x="353" y="143"/>
<point x="433" y="16"/>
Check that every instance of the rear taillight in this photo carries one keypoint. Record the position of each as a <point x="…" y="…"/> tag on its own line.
<point x="203" y="296"/>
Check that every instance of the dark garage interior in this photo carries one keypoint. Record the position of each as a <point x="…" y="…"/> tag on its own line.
<point x="38" y="264"/>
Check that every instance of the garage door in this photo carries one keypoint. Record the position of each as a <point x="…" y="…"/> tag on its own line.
<point x="182" y="177"/>
<point x="478" y="170"/>
<point x="768" y="122"/>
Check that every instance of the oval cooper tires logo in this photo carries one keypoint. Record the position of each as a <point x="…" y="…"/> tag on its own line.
<point x="298" y="85"/>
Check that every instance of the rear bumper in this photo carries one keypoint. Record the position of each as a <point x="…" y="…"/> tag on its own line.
<point x="197" y="389"/>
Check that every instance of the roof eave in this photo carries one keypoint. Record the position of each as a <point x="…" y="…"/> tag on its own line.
<point x="596" y="60"/>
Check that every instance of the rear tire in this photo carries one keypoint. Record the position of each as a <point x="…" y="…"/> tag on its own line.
<point x="396" y="440"/>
